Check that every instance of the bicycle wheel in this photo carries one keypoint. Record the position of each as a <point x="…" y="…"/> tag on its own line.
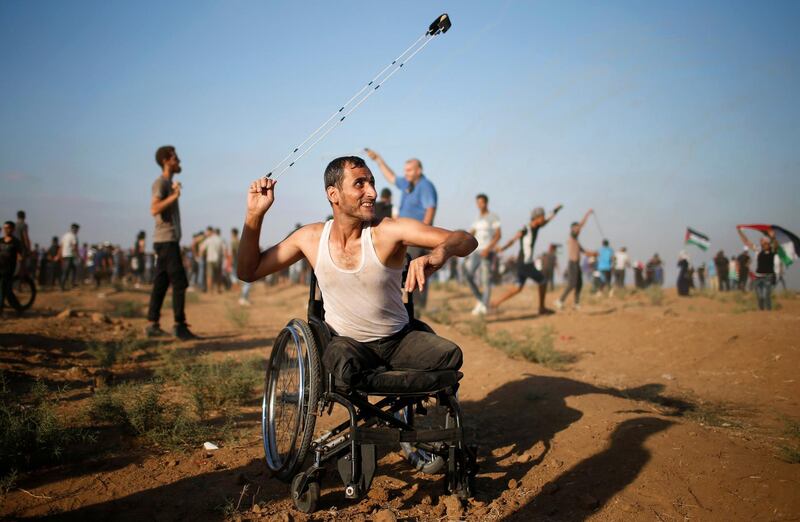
<point x="293" y="384"/>
<point x="25" y="291"/>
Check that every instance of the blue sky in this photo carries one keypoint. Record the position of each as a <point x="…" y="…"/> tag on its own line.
<point x="658" y="115"/>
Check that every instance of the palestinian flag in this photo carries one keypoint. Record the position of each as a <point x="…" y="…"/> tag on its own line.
<point x="693" y="237"/>
<point x="788" y="243"/>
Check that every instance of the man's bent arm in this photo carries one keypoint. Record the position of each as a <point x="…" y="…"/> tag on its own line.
<point x="254" y="264"/>
<point x="157" y="206"/>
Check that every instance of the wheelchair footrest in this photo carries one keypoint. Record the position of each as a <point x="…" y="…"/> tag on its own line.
<point x="389" y="436"/>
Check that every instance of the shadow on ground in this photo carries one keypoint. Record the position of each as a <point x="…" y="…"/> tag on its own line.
<point x="539" y="409"/>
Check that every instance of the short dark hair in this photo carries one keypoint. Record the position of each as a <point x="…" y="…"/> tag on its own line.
<point x="21" y="214"/>
<point x="334" y="172"/>
<point x="11" y="224"/>
<point x="605" y="242"/>
<point x="235" y="231"/>
<point x="163" y="154"/>
<point x="482" y="196"/>
<point x="75" y="225"/>
<point x="386" y="193"/>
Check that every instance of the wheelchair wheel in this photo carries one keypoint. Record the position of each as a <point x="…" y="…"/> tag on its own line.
<point x="293" y="385"/>
<point x="426" y="461"/>
<point x="306" y="501"/>
<point x="25" y="291"/>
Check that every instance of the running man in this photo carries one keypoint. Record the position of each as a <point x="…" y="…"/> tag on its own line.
<point x="574" y="250"/>
<point x="525" y="260"/>
<point x="418" y="201"/>
<point x="358" y="264"/>
<point x="486" y="230"/>
<point x="166" y="243"/>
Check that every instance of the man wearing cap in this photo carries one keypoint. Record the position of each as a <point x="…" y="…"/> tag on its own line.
<point x="525" y="260"/>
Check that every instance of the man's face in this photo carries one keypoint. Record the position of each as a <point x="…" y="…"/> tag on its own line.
<point x="482" y="204"/>
<point x="765" y="244"/>
<point x="356" y="197"/>
<point x="537" y="221"/>
<point x="412" y="171"/>
<point x="7" y="230"/>
<point x="574" y="229"/>
<point x="174" y="164"/>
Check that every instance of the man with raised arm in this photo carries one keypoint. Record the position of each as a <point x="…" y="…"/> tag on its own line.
<point x="574" y="250"/>
<point x="526" y="237"/>
<point x="359" y="263"/>
<point x="418" y="201"/>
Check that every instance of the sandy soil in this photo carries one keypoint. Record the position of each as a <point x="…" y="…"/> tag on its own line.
<point x="670" y="411"/>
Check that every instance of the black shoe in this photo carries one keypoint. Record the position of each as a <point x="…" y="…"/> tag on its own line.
<point x="153" y="330"/>
<point x="183" y="333"/>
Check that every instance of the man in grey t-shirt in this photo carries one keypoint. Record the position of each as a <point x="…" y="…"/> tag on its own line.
<point x="169" y="265"/>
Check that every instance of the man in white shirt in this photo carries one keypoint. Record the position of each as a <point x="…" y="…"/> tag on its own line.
<point x="621" y="262"/>
<point x="213" y="248"/>
<point x="486" y="230"/>
<point x="68" y="253"/>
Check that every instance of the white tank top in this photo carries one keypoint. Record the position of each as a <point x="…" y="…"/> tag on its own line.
<point x="365" y="304"/>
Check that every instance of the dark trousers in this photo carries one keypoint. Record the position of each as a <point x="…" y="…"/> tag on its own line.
<point x="574" y="281"/>
<point x="619" y="277"/>
<point x="353" y="363"/>
<point x="722" y="275"/>
<point x="168" y="271"/>
<point x="7" y="292"/>
<point x="68" y="267"/>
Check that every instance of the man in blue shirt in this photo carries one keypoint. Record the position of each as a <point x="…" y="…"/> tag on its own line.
<point x="418" y="201"/>
<point x="604" y="261"/>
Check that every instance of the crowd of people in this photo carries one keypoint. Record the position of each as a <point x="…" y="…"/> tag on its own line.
<point x="209" y="262"/>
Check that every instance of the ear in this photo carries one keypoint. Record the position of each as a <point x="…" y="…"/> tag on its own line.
<point x="333" y="195"/>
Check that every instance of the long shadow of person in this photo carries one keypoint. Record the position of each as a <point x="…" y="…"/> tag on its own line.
<point x="595" y="480"/>
<point x="512" y="420"/>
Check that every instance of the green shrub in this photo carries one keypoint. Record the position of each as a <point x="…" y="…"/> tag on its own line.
<point x="655" y="294"/>
<point x="213" y="386"/>
<point x="31" y="432"/>
<point x="142" y="410"/>
<point x="535" y="346"/>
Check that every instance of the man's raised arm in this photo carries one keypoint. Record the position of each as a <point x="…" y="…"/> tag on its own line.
<point x="254" y="264"/>
<point x="583" y="221"/>
<point x="388" y="173"/>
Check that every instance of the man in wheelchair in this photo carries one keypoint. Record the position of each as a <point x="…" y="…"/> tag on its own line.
<point x="370" y="345"/>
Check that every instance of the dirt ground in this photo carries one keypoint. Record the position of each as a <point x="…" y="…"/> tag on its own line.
<point x="663" y="408"/>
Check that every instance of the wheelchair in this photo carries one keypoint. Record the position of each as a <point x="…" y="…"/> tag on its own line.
<point x="419" y="411"/>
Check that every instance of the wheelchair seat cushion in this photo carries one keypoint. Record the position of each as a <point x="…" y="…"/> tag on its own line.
<point x="409" y="382"/>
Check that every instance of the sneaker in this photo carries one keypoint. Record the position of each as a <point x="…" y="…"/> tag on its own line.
<point x="183" y="333"/>
<point x="559" y="304"/>
<point x="577" y="306"/>
<point x="477" y="309"/>
<point x="243" y="302"/>
<point x="154" y="330"/>
<point x="545" y="311"/>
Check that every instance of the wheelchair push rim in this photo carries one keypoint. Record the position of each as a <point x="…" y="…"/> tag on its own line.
<point x="290" y="395"/>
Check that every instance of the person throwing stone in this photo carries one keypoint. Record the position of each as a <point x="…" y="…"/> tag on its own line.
<point x="358" y="263"/>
